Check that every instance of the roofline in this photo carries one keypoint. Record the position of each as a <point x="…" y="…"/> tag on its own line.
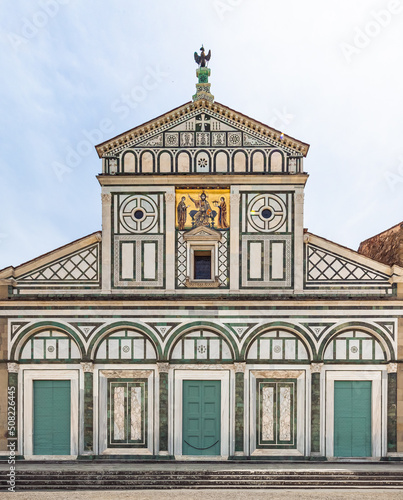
<point x="31" y="261"/>
<point x="379" y="234"/>
<point x="208" y="105"/>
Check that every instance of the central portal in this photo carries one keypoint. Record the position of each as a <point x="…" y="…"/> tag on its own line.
<point x="201" y="417"/>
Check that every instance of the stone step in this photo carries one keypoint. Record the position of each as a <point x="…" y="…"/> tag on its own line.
<point x="200" y="479"/>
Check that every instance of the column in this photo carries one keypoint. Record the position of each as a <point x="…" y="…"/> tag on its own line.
<point x="12" y="408"/>
<point x="239" y="408"/>
<point x="315" y="408"/>
<point x="163" y="369"/>
<point x="392" y="408"/>
<point x="88" y="369"/>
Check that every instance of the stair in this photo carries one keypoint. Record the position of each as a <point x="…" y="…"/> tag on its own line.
<point x="128" y="479"/>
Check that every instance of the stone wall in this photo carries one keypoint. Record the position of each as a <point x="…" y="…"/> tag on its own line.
<point x="386" y="247"/>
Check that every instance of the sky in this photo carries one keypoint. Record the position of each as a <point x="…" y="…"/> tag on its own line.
<point x="328" y="73"/>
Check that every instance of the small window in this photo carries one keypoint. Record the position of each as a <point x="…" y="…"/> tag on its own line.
<point x="202" y="265"/>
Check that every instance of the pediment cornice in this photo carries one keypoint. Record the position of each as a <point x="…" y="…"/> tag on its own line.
<point x="189" y="110"/>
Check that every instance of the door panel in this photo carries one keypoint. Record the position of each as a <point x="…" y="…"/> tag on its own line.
<point x="201" y="417"/>
<point x="352" y="418"/>
<point x="51" y="417"/>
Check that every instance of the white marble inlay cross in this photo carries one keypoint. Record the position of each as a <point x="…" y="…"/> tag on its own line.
<point x="204" y="121"/>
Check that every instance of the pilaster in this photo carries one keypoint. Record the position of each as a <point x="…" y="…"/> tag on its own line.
<point x="316" y="369"/>
<point x="239" y="407"/>
<point x="163" y="369"/>
<point x="88" y="369"/>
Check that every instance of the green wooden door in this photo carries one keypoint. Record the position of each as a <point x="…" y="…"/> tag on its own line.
<point x="201" y="417"/>
<point x="51" y="417"/>
<point x="352" y="418"/>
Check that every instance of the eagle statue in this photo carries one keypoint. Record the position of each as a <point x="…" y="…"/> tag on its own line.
<point x="202" y="58"/>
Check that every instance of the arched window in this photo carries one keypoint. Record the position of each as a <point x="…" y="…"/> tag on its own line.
<point x="202" y="346"/>
<point x="127" y="345"/>
<point x="354" y="345"/>
<point x="50" y="345"/>
<point x="277" y="346"/>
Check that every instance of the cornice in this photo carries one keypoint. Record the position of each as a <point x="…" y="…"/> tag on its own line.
<point x="190" y="109"/>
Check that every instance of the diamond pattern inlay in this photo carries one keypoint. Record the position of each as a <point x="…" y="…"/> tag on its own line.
<point x="324" y="266"/>
<point x="82" y="266"/>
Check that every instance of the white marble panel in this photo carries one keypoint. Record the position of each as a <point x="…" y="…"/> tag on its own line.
<point x="150" y="351"/>
<point x="50" y="348"/>
<point x="264" y="349"/>
<point x="267" y="413"/>
<point x="378" y="351"/>
<point x="64" y="348"/>
<point x="113" y="348"/>
<point x="214" y="349"/>
<point x="135" y="416"/>
<point x="341" y="347"/>
<point x="38" y="348"/>
<point x="354" y="349"/>
<point x="255" y="260"/>
<point x="367" y="349"/>
<point x="101" y="353"/>
<point x="302" y="352"/>
<point x="127" y="255"/>
<point x="285" y="414"/>
<point x="119" y="413"/>
<point x="176" y="353"/>
<point x="277" y="260"/>
<point x="226" y="353"/>
<point x="149" y="260"/>
<point x="26" y="352"/>
<point x="189" y="348"/>
<point x="75" y="353"/>
<point x="329" y="351"/>
<point x="126" y="349"/>
<point x="290" y="349"/>
<point x="138" y="348"/>
<point x="201" y="349"/>
<point x="252" y="354"/>
<point x="277" y="349"/>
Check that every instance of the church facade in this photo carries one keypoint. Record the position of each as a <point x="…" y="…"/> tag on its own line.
<point x="203" y="321"/>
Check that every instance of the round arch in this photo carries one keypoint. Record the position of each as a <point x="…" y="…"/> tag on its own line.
<point x="109" y="329"/>
<point x="203" y="325"/>
<point x="288" y="327"/>
<point x="32" y="330"/>
<point x="365" y="328"/>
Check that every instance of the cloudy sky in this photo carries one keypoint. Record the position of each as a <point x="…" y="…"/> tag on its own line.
<point x="326" y="72"/>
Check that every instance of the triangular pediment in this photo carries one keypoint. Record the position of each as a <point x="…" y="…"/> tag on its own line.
<point x="202" y="124"/>
<point x="74" y="265"/>
<point x="202" y="233"/>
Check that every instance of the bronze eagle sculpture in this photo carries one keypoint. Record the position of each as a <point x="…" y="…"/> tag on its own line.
<point x="202" y="58"/>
